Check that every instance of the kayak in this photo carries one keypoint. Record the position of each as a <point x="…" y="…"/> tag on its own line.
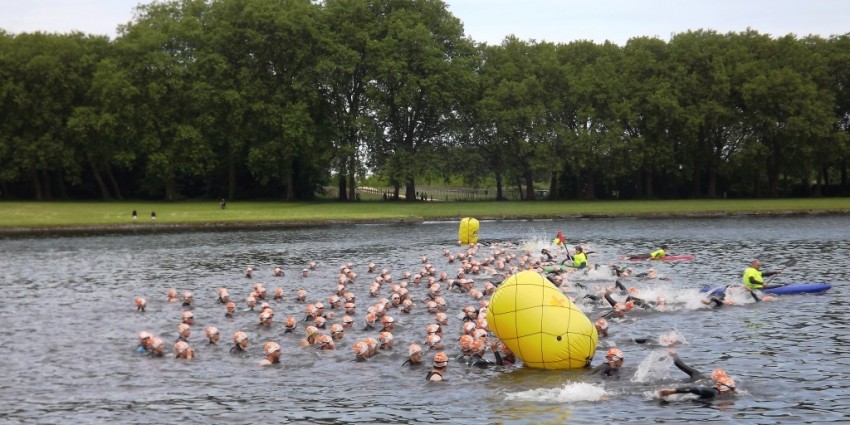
<point x="664" y="258"/>
<point x="552" y="269"/>
<point x="792" y="288"/>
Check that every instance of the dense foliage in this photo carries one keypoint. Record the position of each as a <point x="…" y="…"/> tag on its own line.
<point x="280" y="98"/>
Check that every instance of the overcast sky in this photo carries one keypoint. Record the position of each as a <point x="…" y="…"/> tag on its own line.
<point x="490" y="21"/>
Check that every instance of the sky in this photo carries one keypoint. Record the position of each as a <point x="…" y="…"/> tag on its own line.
<point x="490" y="21"/>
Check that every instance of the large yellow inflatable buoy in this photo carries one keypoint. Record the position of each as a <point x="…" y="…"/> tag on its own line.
<point x="468" y="232"/>
<point x="540" y="324"/>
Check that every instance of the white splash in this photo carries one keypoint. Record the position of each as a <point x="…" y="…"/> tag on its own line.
<point x="655" y="366"/>
<point x="571" y="392"/>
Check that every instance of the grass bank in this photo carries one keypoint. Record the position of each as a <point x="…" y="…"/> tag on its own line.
<point x="57" y="216"/>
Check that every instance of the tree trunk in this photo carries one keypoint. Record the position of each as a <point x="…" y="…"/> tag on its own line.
<point x="352" y="183"/>
<point x="115" y="187"/>
<point x="553" y="186"/>
<point x="591" y="186"/>
<point x="170" y="189"/>
<point x="410" y="190"/>
<point x="60" y="183"/>
<point x="499" y="195"/>
<point x="289" y="181"/>
<point x="343" y="190"/>
<point x="396" y="190"/>
<point x="529" y="187"/>
<point x="104" y="192"/>
<point x="712" y="182"/>
<point x="36" y="185"/>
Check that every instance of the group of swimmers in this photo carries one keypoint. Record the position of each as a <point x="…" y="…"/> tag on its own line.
<point x="425" y="289"/>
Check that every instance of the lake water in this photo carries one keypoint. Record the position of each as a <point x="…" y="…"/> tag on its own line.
<point x="69" y="327"/>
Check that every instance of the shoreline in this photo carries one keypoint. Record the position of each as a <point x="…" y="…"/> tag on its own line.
<point x="148" y="227"/>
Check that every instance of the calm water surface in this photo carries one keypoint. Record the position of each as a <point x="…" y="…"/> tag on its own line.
<point x="69" y="328"/>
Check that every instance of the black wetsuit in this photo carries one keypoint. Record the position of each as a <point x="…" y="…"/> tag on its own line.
<point x="478" y="361"/>
<point x="606" y="370"/>
<point x="236" y="349"/>
<point x="432" y="373"/>
<point x="693" y="374"/>
<point x="704" y="393"/>
<point x="411" y="364"/>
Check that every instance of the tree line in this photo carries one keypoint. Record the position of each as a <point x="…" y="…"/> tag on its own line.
<point x="281" y="98"/>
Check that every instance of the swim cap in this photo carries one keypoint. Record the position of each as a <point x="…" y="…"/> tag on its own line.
<point x="265" y="315"/>
<point x="186" y="315"/>
<point x="387" y="319"/>
<point x="441" y="317"/>
<point x="337" y="328"/>
<point x="324" y="340"/>
<point x="231" y="305"/>
<point x="718" y="373"/>
<point x="157" y="344"/>
<point x="360" y="348"/>
<point x="629" y="305"/>
<point x="319" y="305"/>
<point x="140" y="302"/>
<point x="347" y="320"/>
<point x="181" y="346"/>
<point x="725" y="383"/>
<point x="614" y="354"/>
<point x="319" y="321"/>
<point x="479" y="333"/>
<point x="386" y="337"/>
<point x="433" y="339"/>
<point x="239" y="337"/>
<point x="311" y="330"/>
<point x="271" y="347"/>
<point x="143" y="335"/>
<point x="466" y="342"/>
<point x="440" y="359"/>
<point x="468" y="327"/>
<point x="370" y="318"/>
<point x="181" y="328"/>
<point x="477" y="345"/>
<point x="372" y="343"/>
<point x="413" y="349"/>
<point x="432" y="328"/>
<point x="210" y="331"/>
<point x="187" y="295"/>
<point x="601" y="323"/>
<point x="333" y="299"/>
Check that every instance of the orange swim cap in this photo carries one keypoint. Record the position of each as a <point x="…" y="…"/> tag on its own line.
<point x="614" y="354"/>
<point x="440" y="359"/>
<point x="239" y="337"/>
<point x="725" y="383"/>
<point x="180" y="346"/>
<point x="466" y="342"/>
<point x="413" y="349"/>
<point x="311" y="330"/>
<point x="601" y="323"/>
<point x="270" y="347"/>
<point x="210" y="331"/>
<point x="360" y="348"/>
<point x="336" y="328"/>
<point x="386" y="337"/>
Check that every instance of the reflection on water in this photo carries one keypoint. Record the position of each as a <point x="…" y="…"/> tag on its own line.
<point x="69" y="328"/>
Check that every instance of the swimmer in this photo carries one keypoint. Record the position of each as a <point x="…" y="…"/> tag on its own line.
<point x="249" y="272"/>
<point x="325" y="342"/>
<point x="251" y="302"/>
<point x="145" y="339"/>
<point x="370" y="322"/>
<point x="723" y="385"/>
<point x="349" y="297"/>
<point x="347" y="322"/>
<point x="361" y="351"/>
<point x="465" y="342"/>
<point x="350" y="308"/>
<point x="212" y="334"/>
<point x="434" y="342"/>
<point x="278" y="294"/>
<point x="141" y="303"/>
<point x="223" y="296"/>
<point x="305" y="272"/>
<point x="266" y="318"/>
<point x="476" y="357"/>
<point x="386" y="339"/>
<point x="601" y="326"/>
<point x="301" y="296"/>
<point x="337" y="331"/>
<point x="504" y="355"/>
<point x="171" y="295"/>
<point x="188" y="317"/>
<point x="434" y="329"/>
<point x="231" y="309"/>
<point x="312" y="265"/>
<point x="183" y="350"/>
<point x="470" y="314"/>
<point x="441" y="361"/>
<point x="157" y="347"/>
<point x="372" y="344"/>
<point x="612" y="367"/>
<point x="187" y="299"/>
<point x="277" y="272"/>
<point x="289" y="325"/>
<point x="333" y="301"/>
<point x="272" y="353"/>
<point x="312" y="335"/>
<point x="468" y="328"/>
<point x="183" y="332"/>
<point x="389" y="324"/>
<point x="240" y="342"/>
<point x="414" y="355"/>
<point x="320" y="322"/>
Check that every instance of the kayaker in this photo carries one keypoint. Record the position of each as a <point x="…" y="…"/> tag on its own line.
<point x="659" y="253"/>
<point x="753" y="279"/>
<point x="580" y="258"/>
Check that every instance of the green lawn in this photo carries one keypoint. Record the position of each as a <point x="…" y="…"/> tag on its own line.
<point x="112" y="214"/>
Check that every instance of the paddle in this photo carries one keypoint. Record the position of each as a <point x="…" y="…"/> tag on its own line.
<point x="785" y="265"/>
